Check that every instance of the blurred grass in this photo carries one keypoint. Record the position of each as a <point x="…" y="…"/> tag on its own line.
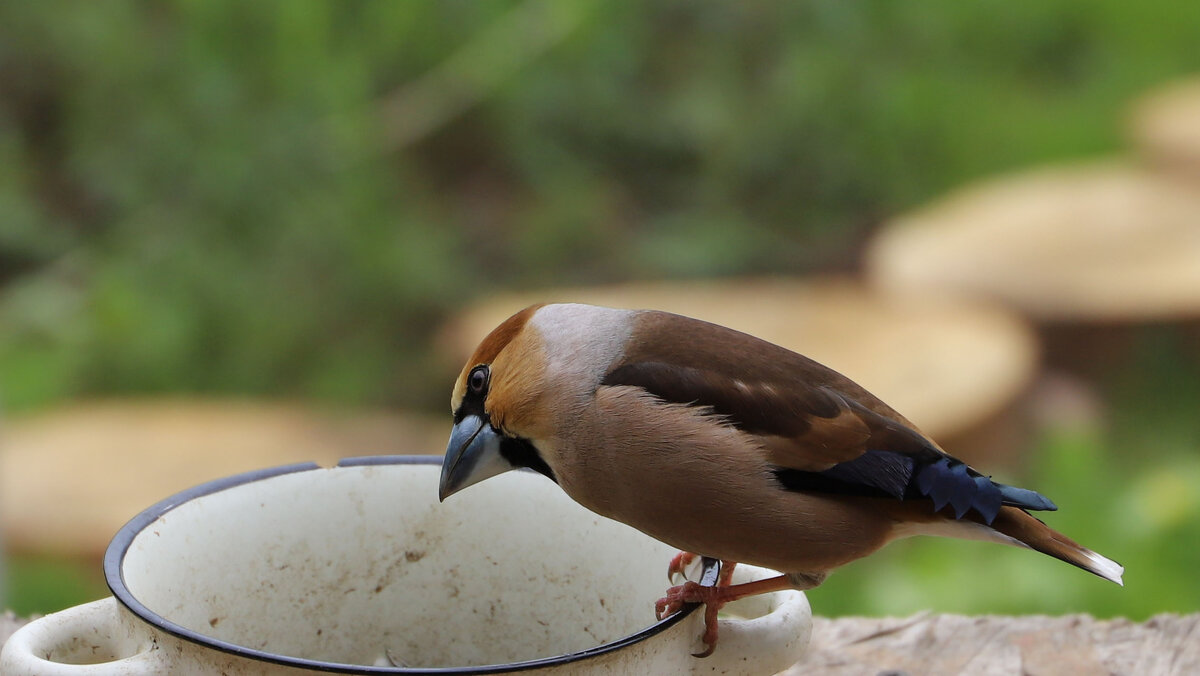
<point x="204" y="197"/>
<point x="44" y="584"/>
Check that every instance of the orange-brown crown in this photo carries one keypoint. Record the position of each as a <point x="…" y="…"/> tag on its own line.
<point x="490" y="348"/>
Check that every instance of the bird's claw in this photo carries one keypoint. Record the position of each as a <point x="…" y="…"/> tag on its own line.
<point x="679" y="565"/>
<point x="710" y="629"/>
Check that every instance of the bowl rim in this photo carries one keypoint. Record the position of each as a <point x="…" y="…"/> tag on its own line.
<point x="114" y="575"/>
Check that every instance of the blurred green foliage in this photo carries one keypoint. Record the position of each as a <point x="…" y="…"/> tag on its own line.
<point x="206" y="197"/>
<point x="44" y="583"/>
<point x="214" y="197"/>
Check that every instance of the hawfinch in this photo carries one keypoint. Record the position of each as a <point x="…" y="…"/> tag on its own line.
<point x="721" y="444"/>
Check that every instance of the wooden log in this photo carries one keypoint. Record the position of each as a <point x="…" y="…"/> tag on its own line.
<point x="1164" y="126"/>
<point x="71" y="477"/>
<point x="1089" y="252"/>
<point x="1106" y="241"/>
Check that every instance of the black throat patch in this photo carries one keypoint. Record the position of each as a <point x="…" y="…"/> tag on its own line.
<point x="521" y="453"/>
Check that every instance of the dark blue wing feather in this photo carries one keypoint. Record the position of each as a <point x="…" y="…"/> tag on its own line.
<point x="944" y="481"/>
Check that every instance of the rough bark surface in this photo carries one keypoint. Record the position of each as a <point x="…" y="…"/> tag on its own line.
<point x="985" y="646"/>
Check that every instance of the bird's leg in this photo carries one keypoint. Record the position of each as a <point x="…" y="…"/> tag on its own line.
<point x="715" y="597"/>
<point x="726" y="574"/>
<point x="712" y="608"/>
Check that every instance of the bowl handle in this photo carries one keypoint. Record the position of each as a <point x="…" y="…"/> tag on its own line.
<point x="86" y="640"/>
<point x="772" y="637"/>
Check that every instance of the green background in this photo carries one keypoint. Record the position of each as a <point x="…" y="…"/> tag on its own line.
<point x="236" y="198"/>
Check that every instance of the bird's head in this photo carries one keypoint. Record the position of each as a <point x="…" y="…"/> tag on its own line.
<point x="493" y="401"/>
<point x="524" y="379"/>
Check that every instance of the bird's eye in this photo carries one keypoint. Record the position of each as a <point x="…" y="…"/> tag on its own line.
<point x="478" y="379"/>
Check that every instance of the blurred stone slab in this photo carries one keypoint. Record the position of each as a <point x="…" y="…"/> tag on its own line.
<point x="71" y="477"/>
<point x="946" y="365"/>
<point x="988" y="645"/>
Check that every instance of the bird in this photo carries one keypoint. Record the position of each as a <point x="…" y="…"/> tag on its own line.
<point x="722" y="445"/>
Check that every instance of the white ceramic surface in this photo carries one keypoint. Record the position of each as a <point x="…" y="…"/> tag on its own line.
<point x="303" y="569"/>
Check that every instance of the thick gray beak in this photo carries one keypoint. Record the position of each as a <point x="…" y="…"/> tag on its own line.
<point x="472" y="455"/>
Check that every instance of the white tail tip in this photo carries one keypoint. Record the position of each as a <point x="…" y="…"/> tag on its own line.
<point x="1106" y="568"/>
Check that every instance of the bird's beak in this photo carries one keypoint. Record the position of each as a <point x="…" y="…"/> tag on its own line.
<point x="472" y="455"/>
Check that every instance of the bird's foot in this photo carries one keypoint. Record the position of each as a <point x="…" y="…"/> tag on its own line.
<point x="713" y="598"/>
<point x="693" y="592"/>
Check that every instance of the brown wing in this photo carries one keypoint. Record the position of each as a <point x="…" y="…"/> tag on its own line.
<point x="821" y="431"/>
<point x="799" y="424"/>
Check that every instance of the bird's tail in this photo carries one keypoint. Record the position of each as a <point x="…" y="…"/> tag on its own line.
<point x="1019" y="525"/>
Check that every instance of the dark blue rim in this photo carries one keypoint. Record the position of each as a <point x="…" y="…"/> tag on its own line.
<point x="115" y="555"/>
